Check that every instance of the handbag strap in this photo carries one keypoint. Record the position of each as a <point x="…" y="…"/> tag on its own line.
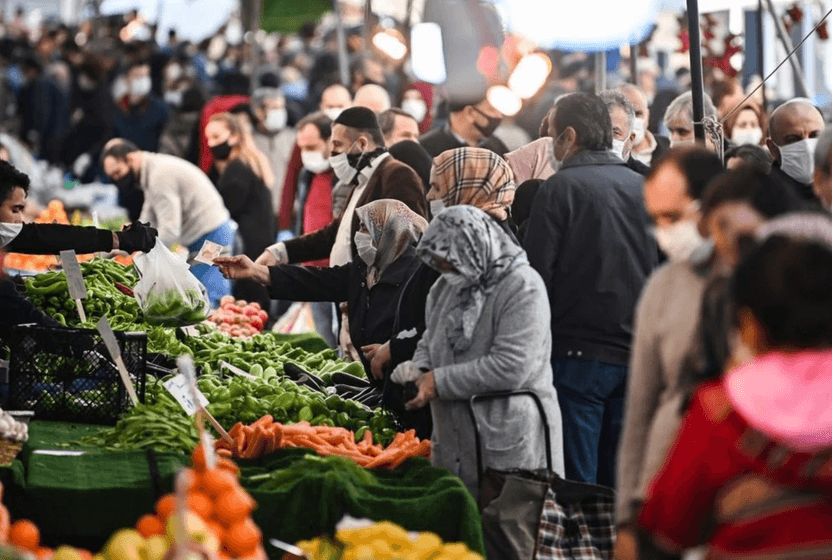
<point x="506" y="395"/>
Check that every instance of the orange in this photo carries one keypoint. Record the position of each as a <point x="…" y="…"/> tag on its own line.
<point x="228" y="465"/>
<point x="44" y="553"/>
<point x="84" y="554"/>
<point x="217" y="481"/>
<point x="216" y="529"/>
<point x="198" y="458"/>
<point x="166" y="506"/>
<point x="233" y="506"/>
<point x="242" y="538"/>
<point x="149" y="525"/>
<point x="24" y="534"/>
<point x="200" y="504"/>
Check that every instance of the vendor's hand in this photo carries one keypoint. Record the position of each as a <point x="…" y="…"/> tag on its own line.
<point x="427" y="392"/>
<point x="242" y="268"/>
<point x="137" y="237"/>
<point x="379" y="356"/>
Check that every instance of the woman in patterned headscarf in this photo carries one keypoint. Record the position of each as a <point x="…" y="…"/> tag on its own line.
<point x="472" y="176"/>
<point x="487" y="330"/>
<point x="371" y="284"/>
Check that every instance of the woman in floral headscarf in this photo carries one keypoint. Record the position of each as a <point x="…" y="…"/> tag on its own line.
<point x="371" y="284"/>
<point x="487" y="330"/>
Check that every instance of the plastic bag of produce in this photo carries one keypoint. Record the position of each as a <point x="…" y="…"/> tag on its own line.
<point x="167" y="292"/>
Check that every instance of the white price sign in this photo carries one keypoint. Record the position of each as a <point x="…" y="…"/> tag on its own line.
<point x="182" y="391"/>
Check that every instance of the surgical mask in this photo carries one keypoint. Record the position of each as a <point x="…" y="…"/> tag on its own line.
<point x="436" y="206"/>
<point x="333" y="112"/>
<point x="747" y="136"/>
<point x="140" y="87"/>
<point x="640" y="130"/>
<point x="618" y="148"/>
<point x="275" y="120"/>
<point x="173" y="72"/>
<point x="173" y="98"/>
<point x="314" y="161"/>
<point x="680" y="240"/>
<point x="682" y="143"/>
<point x="798" y="160"/>
<point x="8" y="232"/>
<point x="416" y="108"/>
<point x="558" y="162"/>
<point x="221" y="151"/>
<point x="342" y="168"/>
<point x="364" y="245"/>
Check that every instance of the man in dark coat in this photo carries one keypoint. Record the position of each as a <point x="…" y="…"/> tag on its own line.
<point x="588" y="237"/>
<point x="471" y="124"/>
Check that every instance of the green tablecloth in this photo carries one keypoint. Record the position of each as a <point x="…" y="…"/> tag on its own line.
<point x="81" y="500"/>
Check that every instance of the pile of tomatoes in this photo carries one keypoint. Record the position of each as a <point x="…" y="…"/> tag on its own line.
<point x="238" y="318"/>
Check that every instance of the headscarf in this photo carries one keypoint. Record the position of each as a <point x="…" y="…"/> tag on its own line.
<point x="413" y="154"/>
<point x="481" y="251"/>
<point x="476" y="177"/>
<point x="394" y="227"/>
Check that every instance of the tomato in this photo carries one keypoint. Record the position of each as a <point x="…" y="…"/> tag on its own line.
<point x="250" y="310"/>
<point x="257" y="323"/>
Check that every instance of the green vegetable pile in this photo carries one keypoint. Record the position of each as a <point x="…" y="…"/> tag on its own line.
<point x="49" y="292"/>
<point x="171" y="309"/>
<point x="148" y="426"/>
<point x="335" y="469"/>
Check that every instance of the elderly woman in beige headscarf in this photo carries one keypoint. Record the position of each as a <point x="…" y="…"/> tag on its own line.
<point x="385" y="245"/>
<point x="474" y="177"/>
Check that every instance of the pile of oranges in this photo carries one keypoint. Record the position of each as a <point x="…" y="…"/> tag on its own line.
<point x="216" y="496"/>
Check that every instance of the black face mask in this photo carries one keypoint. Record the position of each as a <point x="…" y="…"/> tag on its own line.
<point x="362" y="159"/>
<point x="488" y="129"/>
<point x="221" y="151"/>
<point x="126" y="183"/>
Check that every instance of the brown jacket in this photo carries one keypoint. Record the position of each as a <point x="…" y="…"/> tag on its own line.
<point x="392" y="179"/>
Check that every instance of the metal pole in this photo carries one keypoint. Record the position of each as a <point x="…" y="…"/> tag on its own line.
<point x="696" y="80"/>
<point x="368" y="14"/>
<point x="600" y="72"/>
<point x="634" y="64"/>
<point x="799" y="77"/>
<point x="343" y="68"/>
<point x="256" y="7"/>
<point x="761" y="67"/>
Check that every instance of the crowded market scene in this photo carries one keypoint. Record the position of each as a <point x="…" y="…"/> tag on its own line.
<point x="415" y="279"/>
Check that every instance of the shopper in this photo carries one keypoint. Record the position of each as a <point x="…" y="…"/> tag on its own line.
<point x="487" y="330"/>
<point x="588" y="238"/>
<point x="371" y="284"/>
<point x="273" y="136"/>
<point x="793" y="131"/>
<point x="397" y="125"/>
<point x="469" y="124"/>
<point x="747" y="474"/>
<point x="238" y="178"/>
<point x="647" y="147"/>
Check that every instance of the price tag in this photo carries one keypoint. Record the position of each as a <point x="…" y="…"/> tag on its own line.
<point x="180" y="389"/>
<point x="236" y="370"/>
<point x="208" y="253"/>
<point x="74" y="280"/>
<point x="186" y="366"/>
<point x="190" y="331"/>
<point x="109" y="338"/>
<point x="95" y="219"/>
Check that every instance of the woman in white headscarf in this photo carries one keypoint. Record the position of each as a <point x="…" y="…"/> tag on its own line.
<point x="487" y="330"/>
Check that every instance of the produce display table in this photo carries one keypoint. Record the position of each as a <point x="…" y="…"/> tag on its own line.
<point x="83" y="499"/>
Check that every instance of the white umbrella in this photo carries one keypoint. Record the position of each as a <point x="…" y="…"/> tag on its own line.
<point x="194" y="20"/>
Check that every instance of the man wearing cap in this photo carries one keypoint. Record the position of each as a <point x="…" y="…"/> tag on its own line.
<point x="360" y="160"/>
<point x="471" y="124"/>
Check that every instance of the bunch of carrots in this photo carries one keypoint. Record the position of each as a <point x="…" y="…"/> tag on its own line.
<point x="267" y="436"/>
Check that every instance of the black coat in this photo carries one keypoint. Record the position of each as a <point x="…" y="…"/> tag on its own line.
<point x="250" y="204"/>
<point x="804" y="192"/>
<point x="372" y="311"/>
<point x="442" y="139"/>
<point x="17" y="310"/>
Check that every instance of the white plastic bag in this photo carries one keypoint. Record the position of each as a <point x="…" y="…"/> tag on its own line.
<point x="167" y="292"/>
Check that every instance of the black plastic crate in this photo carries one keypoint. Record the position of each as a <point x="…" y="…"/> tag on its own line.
<point x="67" y="374"/>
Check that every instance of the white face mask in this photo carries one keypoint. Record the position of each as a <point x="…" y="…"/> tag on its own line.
<point x="140" y="87"/>
<point x="173" y="98"/>
<point x="640" y="130"/>
<point x="275" y="120"/>
<point x="8" y="232"/>
<point x="173" y="72"/>
<point x="342" y="168"/>
<point x="682" y="143"/>
<point x="618" y="147"/>
<point x="333" y="112"/>
<point x="747" y="136"/>
<point x="436" y="206"/>
<point x="680" y="240"/>
<point x="314" y="161"/>
<point x="798" y="160"/>
<point x="558" y="162"/>
<point x="416" y="108"/>
<point x="364" y="245"/>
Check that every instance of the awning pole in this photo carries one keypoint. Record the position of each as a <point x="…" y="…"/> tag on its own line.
<point x="343" y="68"/>
<point x="696" y="81"/>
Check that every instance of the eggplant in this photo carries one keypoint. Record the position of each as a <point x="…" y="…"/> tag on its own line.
<point x="348" y="379"/>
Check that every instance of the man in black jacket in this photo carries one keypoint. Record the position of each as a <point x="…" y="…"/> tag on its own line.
<point x="793" y="131"/>
<point x="471" y="124"/>
<point x="588" y="237"/>
<point x="623" y="116"/>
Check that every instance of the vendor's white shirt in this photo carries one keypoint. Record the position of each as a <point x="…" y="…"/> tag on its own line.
<point x="341" y="253"/>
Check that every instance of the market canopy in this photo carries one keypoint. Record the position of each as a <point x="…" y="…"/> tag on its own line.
<point x="194" y="20"/>
<point x="286" y="16"/>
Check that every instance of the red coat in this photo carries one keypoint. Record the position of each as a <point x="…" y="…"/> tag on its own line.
<point x="728" y="485"/>
<point x="318" y="209"/>
<point x="216" y="106"/>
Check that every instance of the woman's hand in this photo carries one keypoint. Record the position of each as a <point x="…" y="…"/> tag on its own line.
<point x="379" y="356"/>
<point x="243" y="268"/>
<point x="427" y="392"/>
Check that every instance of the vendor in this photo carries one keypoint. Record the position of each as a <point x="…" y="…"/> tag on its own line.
<point x="487" y="330"/>
<point x="372" y="284"/>
<point x="50" y="239"/>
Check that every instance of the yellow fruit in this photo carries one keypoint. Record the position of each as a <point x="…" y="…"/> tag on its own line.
<point x="195" y="528"/>
<point x="66" y="553"/>
<point x="156" y="547"/>
<point x="126" y="544"/>
<point x="211" y="542"/>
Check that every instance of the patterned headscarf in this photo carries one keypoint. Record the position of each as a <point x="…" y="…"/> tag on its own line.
<point x="393" y="227"/>
<point x="480" y="250"/>
<point x="476" y="177"/>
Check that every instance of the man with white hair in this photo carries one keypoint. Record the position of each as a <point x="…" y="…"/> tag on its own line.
<point x="372" y="96"/>
<point x="272" y="136"/>
<point x="678" y="118"/>
<point x="623" y="116"/>
<point x="647" y="147"/>
<point x="793" y="131"/>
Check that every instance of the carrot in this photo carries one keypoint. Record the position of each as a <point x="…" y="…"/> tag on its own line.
<point x="227" y="453"/>
<point x="368" y="437"/>
<point x="236" y="430"/>
<point x="265" y="421"/>
<point x="424" y="448"/>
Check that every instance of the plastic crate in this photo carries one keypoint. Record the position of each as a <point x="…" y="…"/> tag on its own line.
<point x="67" y="374"/>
